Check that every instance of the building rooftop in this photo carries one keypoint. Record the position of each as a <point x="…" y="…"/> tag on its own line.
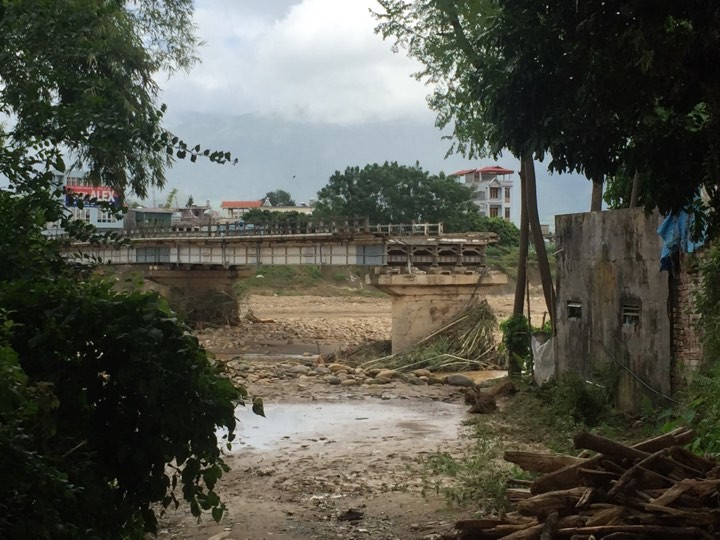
<point x="495" y="169"/>
<point x="241" y="204"/>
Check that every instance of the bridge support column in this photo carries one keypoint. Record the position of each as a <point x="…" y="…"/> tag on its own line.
<point x="423" y="303"/>
<point x="198" y="295"/>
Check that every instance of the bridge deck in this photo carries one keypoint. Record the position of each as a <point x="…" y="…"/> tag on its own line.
<point x="345" y="248"/>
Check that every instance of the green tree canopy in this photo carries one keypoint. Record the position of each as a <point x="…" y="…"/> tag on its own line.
<point x="280" y="197"/>
<point x="604" y="88"/>
<point x="393" y="193"/>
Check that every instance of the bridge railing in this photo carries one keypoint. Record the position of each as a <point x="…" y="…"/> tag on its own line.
<point x="310" y="228"/>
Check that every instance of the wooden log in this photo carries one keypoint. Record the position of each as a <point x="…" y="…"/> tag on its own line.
<point x="665" y="531"/>
<point x="547" y="503"/>
<point x="568" y="476"/>
<point x="514" y="494"/>
<point x="639" y="468"/>
<point x="606" y="516"/>
<point x="531" y="533"/>
<point x="586" y="498"/>
<point x="544" y="463"/>
<point x="672" y="493"/>
<point x="677" y="437"/>
<point x="597" y="477"/>
<point x="608" y="447"/>
<point x="549" y="527"/>
<point x="688" y="458"/>
<point x="477" y="529"/>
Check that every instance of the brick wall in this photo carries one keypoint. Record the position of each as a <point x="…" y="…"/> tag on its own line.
<point x="686" y="342"/>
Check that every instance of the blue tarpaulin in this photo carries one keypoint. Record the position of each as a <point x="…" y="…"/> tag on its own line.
<point x="676" y="232"/>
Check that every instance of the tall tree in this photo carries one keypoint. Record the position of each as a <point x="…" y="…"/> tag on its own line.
<point x="280" y="197"/>
<point x="462" y="54"/>
<point x="393" y="193"/>
<point x="109" y="408"/>
<point x="598" y="86"/>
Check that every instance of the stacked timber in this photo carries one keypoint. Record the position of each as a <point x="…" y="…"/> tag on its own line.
<point x="653" y="489"/>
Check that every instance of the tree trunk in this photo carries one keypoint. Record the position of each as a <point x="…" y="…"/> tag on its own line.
<point x="635" y="193"/>
<point x="597" y="194"/>
<point x="534" y="221"/>
<point x="524" y="240"/>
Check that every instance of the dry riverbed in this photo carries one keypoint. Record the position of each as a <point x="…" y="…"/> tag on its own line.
<point x="339" y="453"/>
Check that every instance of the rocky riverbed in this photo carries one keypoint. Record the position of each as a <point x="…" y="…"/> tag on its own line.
<point x="339" y="453"/>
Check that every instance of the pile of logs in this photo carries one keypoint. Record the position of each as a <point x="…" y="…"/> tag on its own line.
<point x="653" y="489"/>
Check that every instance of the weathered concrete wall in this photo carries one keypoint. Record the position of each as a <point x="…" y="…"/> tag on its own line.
<point x="612" y="300"/>
<point x="423" y="303"/>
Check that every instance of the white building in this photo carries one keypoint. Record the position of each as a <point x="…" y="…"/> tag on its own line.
<point x="493" y="189"/>
<point x="75" y="185"/>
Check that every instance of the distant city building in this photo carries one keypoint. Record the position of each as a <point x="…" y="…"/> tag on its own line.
<point x="492" y="188"/>
<point x="235" y="209"/>
<point x="154" y="218"/>
<point x="77" y="187"/>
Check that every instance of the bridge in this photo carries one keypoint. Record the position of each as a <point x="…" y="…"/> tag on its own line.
<point x="431" y="276"/>
<point x="419" y="246"/>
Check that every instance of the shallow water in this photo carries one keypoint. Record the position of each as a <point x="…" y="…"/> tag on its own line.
<point x="358" y="423"/>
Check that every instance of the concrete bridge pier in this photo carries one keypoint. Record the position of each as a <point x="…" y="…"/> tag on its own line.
<point x="423" y="303"/>
<point x="199" y="294"/>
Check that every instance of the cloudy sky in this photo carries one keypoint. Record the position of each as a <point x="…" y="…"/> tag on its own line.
<point x="302" y="88"/>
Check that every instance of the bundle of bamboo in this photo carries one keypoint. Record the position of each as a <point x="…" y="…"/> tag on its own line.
<point x="653" y="489"/>
<point x="467" y="342"/>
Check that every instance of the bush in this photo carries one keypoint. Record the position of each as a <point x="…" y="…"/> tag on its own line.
<point x="108" y="406"/>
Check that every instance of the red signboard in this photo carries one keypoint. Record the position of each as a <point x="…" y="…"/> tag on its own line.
<point x="101" y="193"/>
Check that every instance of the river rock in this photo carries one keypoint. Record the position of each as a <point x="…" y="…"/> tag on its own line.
<point x="435" y="380"/>
<point x="322" y="370"/>
<point x="339" y="367"/>
<point x="348" y="382"/>
<point x="332" y="379"/>
<point x="299" y="369"/>
<point x="387" y="374"/>
<point x="422" y="372"/>
<point x="458" y="379"/>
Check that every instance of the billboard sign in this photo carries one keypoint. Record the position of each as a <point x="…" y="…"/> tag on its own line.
<point x="101" y="193"/>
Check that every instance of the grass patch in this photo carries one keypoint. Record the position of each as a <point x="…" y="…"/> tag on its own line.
<point x="534" y="419"/>
<point x="479" y="476"/>
<point x="287" y="280"/>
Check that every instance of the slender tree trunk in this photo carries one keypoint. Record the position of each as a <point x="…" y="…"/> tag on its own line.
<point x="597" y="193"/>
<point x="538" y="241"/>
<point x="522" y="259"/>
<point x="635" y="193"/>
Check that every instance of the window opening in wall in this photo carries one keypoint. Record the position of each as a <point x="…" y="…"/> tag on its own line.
<point x="574" y="310"/>
<point x="507" y="213"/>
<point x="494" y="193"/>
<point x="630" y="314"/>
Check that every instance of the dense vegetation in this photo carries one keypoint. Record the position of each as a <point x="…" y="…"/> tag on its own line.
<point x="108" y="406"/>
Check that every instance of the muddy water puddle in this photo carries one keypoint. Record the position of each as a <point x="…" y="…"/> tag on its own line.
<point x="348" y="425"/>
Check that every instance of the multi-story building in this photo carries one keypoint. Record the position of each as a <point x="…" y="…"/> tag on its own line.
<point x="77" y="186"/>
<point x="492" y="188"/>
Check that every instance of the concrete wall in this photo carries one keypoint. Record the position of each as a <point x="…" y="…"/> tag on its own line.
<point x="612" y="301"/>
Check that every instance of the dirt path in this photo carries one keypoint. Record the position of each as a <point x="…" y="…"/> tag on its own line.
<point x="336" y="439"/>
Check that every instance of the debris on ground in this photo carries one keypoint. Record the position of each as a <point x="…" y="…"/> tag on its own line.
<point x="653" y="489"/>
<point x="466" y="343"/>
